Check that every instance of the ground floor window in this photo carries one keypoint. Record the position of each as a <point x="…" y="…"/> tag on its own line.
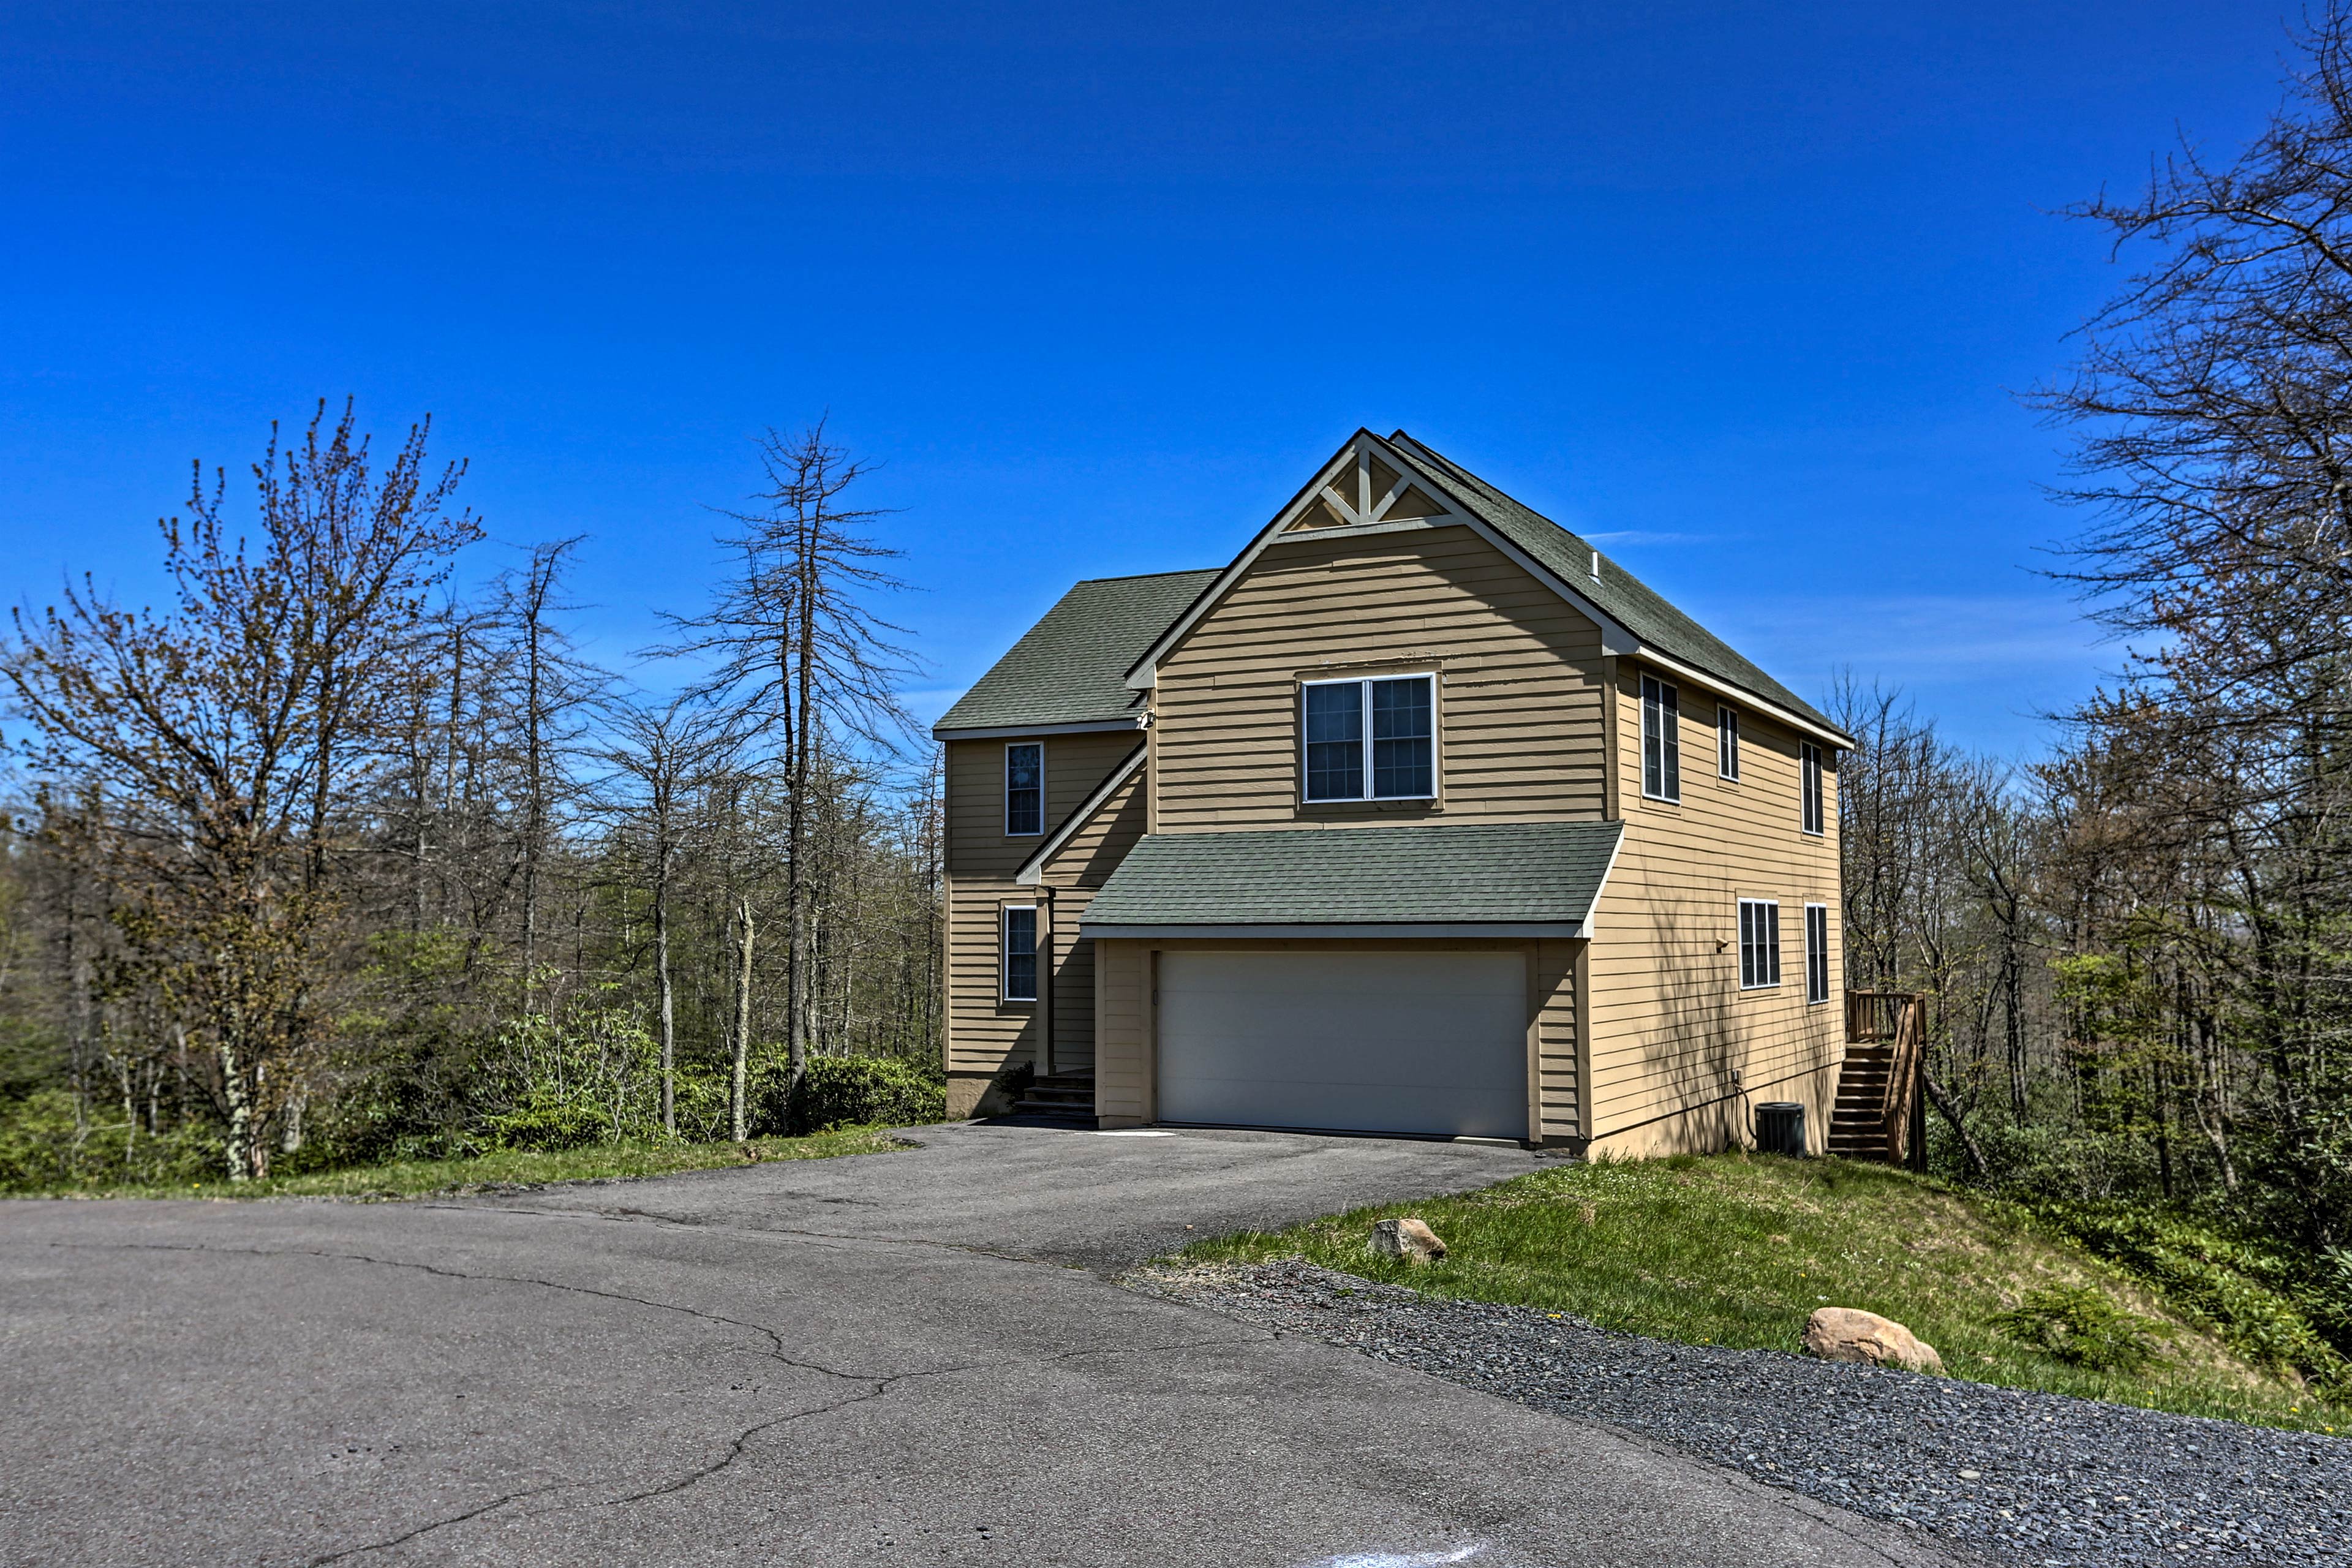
<point x="1021" y="953"/>
<point x="1759" y="943"/>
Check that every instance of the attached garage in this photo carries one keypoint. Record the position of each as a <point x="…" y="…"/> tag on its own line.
<point x="1429" y="1043"/>
<point x="1412" y="979"/>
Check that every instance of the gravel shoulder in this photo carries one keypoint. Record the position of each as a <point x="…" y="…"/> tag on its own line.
<point x="2020" y="1477"/>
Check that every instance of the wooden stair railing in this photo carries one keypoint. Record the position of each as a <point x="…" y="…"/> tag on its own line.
<point x="1878" y="1093"/>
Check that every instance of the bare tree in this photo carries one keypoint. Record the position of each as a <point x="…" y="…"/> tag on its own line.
<point x="666" y="751"/>
<point x="799" y="656"/>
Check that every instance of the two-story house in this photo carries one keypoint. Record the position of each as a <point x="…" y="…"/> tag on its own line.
<point x="1420" y="816"/>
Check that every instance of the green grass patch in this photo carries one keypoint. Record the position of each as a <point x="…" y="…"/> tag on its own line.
<point x="1733" y="1250"/>
<point x="511" y="1168"/>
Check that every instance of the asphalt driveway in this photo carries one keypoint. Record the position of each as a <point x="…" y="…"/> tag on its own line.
<point x="905" y="1358"/>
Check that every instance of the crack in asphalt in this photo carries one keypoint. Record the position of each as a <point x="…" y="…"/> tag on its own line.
<point x="773" y="1339"/>
<point x="740" y="1444"/>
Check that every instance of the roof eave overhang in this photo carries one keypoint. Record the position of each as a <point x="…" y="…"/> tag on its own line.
<point x="1745" y="698"/>
<point x="1023" y="731"/>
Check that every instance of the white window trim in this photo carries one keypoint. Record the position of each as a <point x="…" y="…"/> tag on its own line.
<point x="1810" y="796"/>
<point x="1774" y="905"/>
<point x="1727" y="757"/>
<point x="1009" y="747"/>
<point x="1005" y="950"/>
<point x="1364" y="708"/>
<point x="1822" y="1000"/>
<point x="1641" y="700"/>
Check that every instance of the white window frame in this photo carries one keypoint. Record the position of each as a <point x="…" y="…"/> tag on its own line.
<point x="1669" y="707"/>
<point x="1809" y="788"/>
<point x="1726" y="741"/>
<point x="1010" y="831"/>
<point x="1364" y="709"/>
<point x="1817" y="956"/>
<point x="1005" y="952"/>
<point x="1763" y="935"/>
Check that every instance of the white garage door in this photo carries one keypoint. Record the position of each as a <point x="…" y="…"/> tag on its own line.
<point x="1372" y="1042"/>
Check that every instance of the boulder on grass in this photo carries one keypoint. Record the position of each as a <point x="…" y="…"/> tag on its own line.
<point x="1848" y="1333"/>
<point x="1406" y="1238"/>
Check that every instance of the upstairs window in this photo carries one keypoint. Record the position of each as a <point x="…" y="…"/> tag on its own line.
<point x="1021" y="953"/>
<point x="1727" y="743"/>
<point x="1662" y="768"/>
<point x="1808" y="787"/>
<point x="1817" y="952"/>
<point x="1024" y="788"/>
<point x="1370" y="740"/>
<point x="1759" y="943"/>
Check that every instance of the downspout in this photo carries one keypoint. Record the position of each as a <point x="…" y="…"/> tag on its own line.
<point x="1044" y="981"/>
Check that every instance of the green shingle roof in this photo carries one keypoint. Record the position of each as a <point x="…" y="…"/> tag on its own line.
<point x="1424" y="874"/>
<point x="1620" y="595"/>
<point x="1071" y="666"/>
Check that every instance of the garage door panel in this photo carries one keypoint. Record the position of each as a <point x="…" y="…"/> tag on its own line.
<point x="1385" y="1042"/>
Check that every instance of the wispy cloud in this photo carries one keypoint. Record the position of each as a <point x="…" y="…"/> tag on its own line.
<point x="1916" y="635"/>
<point x="1640" y="536"/>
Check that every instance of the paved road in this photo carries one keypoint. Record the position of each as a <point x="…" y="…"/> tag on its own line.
<point x="906" y="1358"/>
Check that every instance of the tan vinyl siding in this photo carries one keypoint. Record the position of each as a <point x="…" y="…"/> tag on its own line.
<point x="1669" y="1022"/>
<point x="984" y="1033"/>
<point x="1519" y="704"/>
<point x="1074" y="874"/>
<point x="1555" y="1039"/>
<point x="1123" y="1059"/>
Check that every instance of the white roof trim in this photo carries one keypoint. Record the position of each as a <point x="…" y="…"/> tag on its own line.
<point x="1600" y="888"/>
<point x="1352" y="930"/>
<point x="1021" y="731"/>
<point x="1738" y="697"/>
<point x="1033" y="869"/>
<point x="1143" y="674"/>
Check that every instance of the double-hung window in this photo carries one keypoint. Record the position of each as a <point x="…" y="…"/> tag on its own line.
<point x="1727" y="743"/>
<point x="1759" y="943"/>
<point x="1024" y="788"/>
<point x="1662" y="768"/>
<point x="1808" y="787"/>
<point x="1370" y="739"/>
<point x="1817" y="952"/>
<point x="1021" y="953"/>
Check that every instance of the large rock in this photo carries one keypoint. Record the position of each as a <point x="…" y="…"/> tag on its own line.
<point x="1848" y="1333"/>
<point x="1406" y="1238"/>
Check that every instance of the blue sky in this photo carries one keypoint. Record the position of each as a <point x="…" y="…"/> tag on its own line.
<point x="1745" y="291"/>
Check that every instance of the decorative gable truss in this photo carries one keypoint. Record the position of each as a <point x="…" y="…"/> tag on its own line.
<point x="1369" y="487"/>
<point x="1363" y="487"/>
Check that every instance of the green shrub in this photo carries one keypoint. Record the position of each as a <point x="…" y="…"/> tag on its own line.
<point x="549" y="1126"/>
<point x="2078" y="1325"/>
<point x="850" y="1091"/>
<point x="2262" y="1305"/>
<point x="45" y="1147"/>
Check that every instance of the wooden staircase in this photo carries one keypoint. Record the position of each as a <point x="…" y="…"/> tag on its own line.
<point x="1878" y="1092"/>
<point x="1066" y="1097"/>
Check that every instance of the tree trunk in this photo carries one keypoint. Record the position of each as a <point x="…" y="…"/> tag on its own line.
<point x="666" y="1002"/>
<point x="1943" y="1102"/>
<point x="239" y="1094"/>
<point x="797" y="980"/>
<point x="740" y="1108"/>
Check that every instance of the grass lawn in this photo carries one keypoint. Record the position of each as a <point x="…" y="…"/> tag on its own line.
<point x="1730" y="1250"/>
<point x="510" y="1167"/>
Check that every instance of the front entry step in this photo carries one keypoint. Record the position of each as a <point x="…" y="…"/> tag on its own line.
<point x="1060" y="1097"/>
